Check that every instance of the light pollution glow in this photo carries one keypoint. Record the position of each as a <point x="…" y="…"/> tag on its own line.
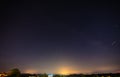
<point x="68" y="70"/>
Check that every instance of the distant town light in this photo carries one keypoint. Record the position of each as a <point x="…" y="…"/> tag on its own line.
<point x="50" y="75"/>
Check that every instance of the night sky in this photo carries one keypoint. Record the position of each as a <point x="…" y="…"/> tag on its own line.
<point x="60" y="37"/>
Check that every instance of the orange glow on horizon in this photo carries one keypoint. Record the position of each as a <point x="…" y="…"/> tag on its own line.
<point x="64" y="71"/>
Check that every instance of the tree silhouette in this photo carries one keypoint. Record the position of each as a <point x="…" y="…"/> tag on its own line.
<point x="14" y="73"/>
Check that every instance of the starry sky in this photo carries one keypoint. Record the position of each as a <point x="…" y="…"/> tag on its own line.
<point x="60" y="37"/>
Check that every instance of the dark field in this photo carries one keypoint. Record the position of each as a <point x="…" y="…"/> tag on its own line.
<point x="73" y="75"/>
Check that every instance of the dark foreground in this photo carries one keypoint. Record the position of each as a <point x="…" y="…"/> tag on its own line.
<point x="73" y="75"/>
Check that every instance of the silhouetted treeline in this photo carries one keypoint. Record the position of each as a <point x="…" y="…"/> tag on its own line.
<point x="73" y="75"/>
<point x="95" y="75"/>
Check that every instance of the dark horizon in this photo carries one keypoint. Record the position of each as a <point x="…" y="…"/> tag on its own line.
<point x="60" y="37"/>
<point x="76" y="73"/>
